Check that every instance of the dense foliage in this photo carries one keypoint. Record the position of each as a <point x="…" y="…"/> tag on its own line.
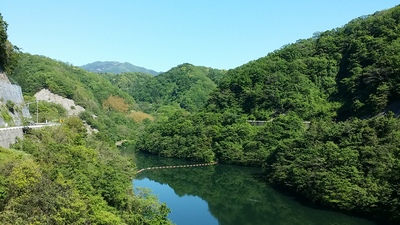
<point x="352" y="166"/>
<point x="353" y="68"/>
<point x="226" y="137"/>
<point x="274" y="85"/>
<point x="60" y="175"/>
<point x="186" y="86"/>
<point x="8" y="52"/>
<point x="3" y="41"/>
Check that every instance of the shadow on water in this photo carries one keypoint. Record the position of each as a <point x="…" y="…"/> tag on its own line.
<point x="235" y="196"/>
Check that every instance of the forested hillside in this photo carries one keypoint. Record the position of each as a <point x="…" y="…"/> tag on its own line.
<point x="349" y="71"/>
<point x="342" y="81"/>
<point x="185" y="86"/>
<point x="108" y="108"/>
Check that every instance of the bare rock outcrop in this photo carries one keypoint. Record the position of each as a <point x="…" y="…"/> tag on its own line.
<point x="4" y="78"/>
<point x="68" y="104"/>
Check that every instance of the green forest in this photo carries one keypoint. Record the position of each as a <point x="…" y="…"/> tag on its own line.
<point x="329" y="106"/>
<point x="62" y="176"/>
<point x="329" y="130"/>
<point x="185" y="86"/>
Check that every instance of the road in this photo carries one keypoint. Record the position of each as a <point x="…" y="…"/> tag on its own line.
<point x="38" y="125"/>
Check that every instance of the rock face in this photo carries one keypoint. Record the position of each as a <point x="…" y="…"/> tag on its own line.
<point x="11" y="94"/>
<point x="4" y="78"/>
<point x="68" y="104"/>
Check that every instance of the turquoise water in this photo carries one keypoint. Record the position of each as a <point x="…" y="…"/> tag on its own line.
<point x="227" y="195"/>
<point x="187" y="209"/>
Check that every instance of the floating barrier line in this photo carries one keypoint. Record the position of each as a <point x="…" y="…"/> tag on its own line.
<point x="178" y="166"/>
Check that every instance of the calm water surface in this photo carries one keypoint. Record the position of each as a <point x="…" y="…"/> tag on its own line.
<point x="227" y="195"/>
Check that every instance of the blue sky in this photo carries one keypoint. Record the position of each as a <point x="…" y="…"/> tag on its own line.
<point x="162" y="34"/>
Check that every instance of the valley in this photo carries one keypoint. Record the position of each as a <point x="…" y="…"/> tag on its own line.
<point x="343" y="82"/>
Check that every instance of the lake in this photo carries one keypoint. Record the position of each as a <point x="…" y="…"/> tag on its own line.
<point x="227" y="195"/>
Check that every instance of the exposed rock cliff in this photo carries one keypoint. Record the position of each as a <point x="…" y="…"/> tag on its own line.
<point x="68" y="104"/>
<point x="4" y="78"/>
<point x="13" y="111"/>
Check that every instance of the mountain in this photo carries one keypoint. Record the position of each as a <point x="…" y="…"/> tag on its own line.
<point x="115" y="67"/>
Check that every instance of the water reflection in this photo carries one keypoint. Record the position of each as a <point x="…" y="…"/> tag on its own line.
<point x="233" y="195"/>
<point x="185" y="209"/>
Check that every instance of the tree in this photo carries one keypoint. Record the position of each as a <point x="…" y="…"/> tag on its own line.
<point x="8" y="53"/>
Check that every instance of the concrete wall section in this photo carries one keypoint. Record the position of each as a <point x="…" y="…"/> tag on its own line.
<point x="8" y="136"/>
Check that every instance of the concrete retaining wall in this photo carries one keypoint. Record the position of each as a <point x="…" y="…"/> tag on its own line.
<point x="8" y="136"/>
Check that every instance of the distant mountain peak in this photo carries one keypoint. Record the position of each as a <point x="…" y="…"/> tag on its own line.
<point x="115" y="67"/>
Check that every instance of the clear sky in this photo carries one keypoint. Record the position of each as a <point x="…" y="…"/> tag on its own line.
<point x="161" y="34"/>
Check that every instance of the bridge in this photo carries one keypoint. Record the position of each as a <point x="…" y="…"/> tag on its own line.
<point x="178" y="166"/>
<point x="9" y="135"/>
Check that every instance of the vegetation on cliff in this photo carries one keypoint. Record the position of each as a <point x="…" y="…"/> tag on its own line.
<point x="8" y="52"/>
